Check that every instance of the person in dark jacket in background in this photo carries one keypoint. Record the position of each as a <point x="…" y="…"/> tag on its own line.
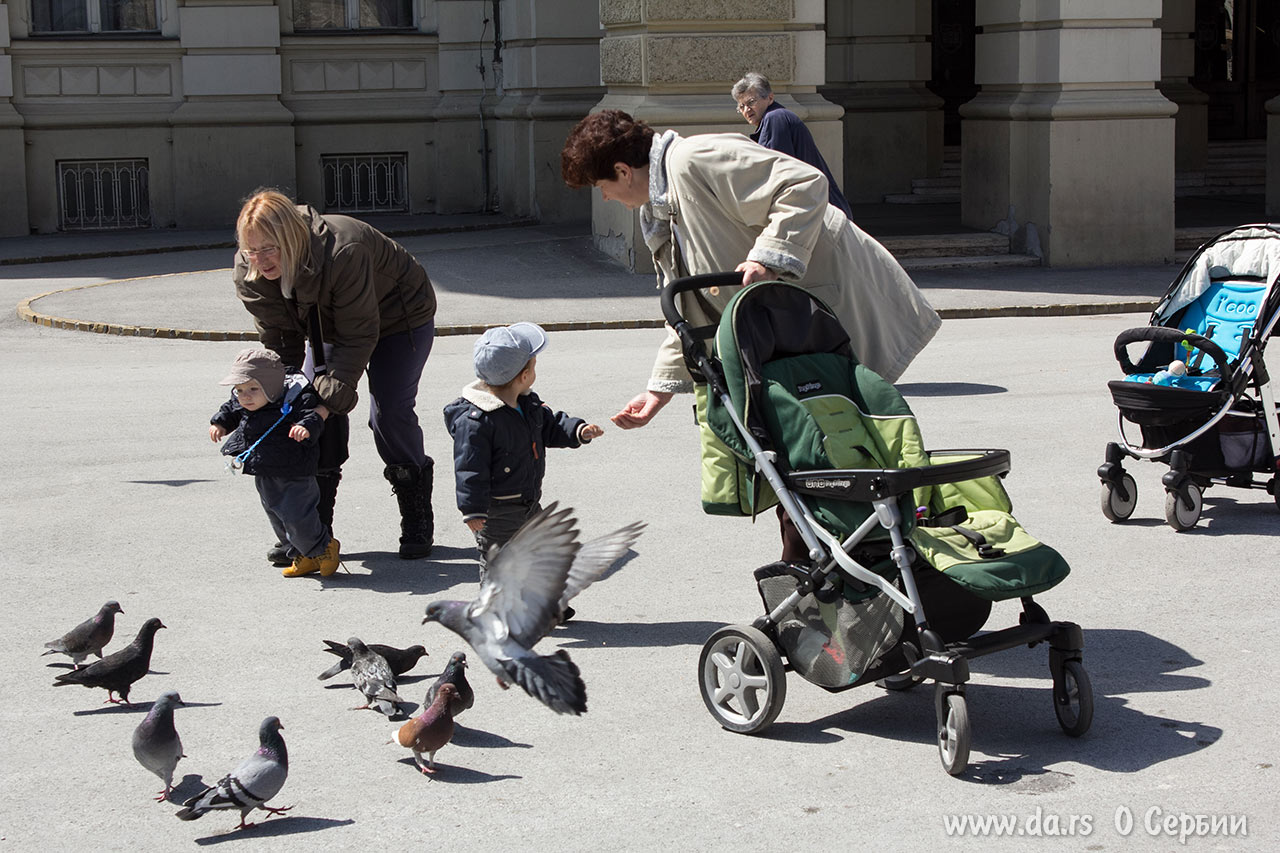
<point x="312" y="279"/>
<point x="274" y="433"/>
<point x="782" y="130"/>
<point x="501" y="431"/>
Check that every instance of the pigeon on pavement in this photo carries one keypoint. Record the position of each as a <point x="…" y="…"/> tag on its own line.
<point x="89" y="637"/>
<point x="156" y="744"/>
<point x="519" y="603"/>
<point x="373" y="677"/>
<point x="431" y="729"/>
<point x="117" y="672"/>
<point x="400" y="660"/>
<point x="258" y="778"/>
<point x="455" y="673"/>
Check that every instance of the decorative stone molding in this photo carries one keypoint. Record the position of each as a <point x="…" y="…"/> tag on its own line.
<point x="51" y="81"/>
<point x="357" y="75"/>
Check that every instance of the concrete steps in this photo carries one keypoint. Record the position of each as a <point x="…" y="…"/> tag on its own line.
<point x="952" y="251"/>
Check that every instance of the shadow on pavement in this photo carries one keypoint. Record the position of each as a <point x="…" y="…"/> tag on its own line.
<point x="289" y="825"/>
<point x="634" y="634"/>
<point x="948" y="389"/>
<point x="455" y="775"/>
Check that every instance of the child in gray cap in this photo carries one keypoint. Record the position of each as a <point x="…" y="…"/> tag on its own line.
<point x="274" y="435"/>
<point x="501" y="430"/>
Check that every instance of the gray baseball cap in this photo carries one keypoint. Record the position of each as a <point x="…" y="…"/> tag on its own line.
<point x="260" y="365"/>
<point x="502" y="352"/>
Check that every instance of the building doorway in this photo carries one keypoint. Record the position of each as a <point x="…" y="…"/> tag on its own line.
<point x="1237" y="44"/>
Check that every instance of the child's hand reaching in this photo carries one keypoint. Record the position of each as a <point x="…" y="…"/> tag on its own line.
<point x="216" y="433"/>
<point x="299" y="433"/>
<point x="590" y="431"/>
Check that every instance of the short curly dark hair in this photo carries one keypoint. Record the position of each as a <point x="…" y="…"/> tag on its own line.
<point x="600" y="140"/>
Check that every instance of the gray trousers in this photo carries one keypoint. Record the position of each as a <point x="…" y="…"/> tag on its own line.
<point x="291" y="504"/>
<point x="505" y="518"/>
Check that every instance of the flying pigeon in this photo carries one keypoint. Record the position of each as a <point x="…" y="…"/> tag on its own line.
<point x="455" y="674"/>
<point x="89" y="637"/>
<point x="431" y="729"/>
<point x="373" y="678"/>
<point x="520" y="601"/>
<point x="258" y="778"/>
<point x="400" y="660"/>
<point x="156" y="744"/>
<point x="117" y="672"/>
<point x="594" y="559"/>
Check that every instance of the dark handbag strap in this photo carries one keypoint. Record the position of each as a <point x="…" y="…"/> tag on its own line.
<point x="315" y="335"/>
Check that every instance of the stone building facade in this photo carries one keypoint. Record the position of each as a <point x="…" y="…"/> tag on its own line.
<point x="165" y="113"/>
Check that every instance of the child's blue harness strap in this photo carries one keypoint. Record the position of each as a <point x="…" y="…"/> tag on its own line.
<point x="238" y="462"/>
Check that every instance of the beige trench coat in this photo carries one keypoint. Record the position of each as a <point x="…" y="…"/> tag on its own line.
<point x="730" y="200"/>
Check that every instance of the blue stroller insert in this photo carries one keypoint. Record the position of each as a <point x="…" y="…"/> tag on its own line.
<point x="1200" y="394"/>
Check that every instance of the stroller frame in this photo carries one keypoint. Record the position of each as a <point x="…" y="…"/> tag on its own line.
<point x="1188" y="477"/>
<point x="741" y="671"/>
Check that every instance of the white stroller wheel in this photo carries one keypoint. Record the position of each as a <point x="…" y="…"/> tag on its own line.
<point x="743" y="681"/>
<point x="1116" y="507"/>
<point x="1182" y="507"/>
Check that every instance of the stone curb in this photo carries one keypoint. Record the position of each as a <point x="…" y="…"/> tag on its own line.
<point x="27" y="313"/>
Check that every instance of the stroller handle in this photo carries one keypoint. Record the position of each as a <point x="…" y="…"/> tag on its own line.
<point x="873" y="484"/>
<point x="693" y="282"/>
<point x="1163" y="334"/>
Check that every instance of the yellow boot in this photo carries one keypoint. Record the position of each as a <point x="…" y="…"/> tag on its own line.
<point x="329" y="560"/>
<point x="302" y="566"/>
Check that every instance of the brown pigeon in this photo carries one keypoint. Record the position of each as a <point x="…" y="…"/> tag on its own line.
<point x="89" y="637"/>
<point x="430" y="730"/>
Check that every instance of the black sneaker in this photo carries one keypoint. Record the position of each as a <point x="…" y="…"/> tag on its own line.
<point x="278" y="555"/>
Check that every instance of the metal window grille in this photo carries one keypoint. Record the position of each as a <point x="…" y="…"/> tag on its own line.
<point x="96" y="195"/>
<point x="365" y="183"/>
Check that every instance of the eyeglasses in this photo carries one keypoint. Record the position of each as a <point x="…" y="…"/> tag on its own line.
<point x="264" y="252"/>
<point x="747" y="104"/>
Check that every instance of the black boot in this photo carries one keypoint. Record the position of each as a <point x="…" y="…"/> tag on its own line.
<point x="412" y="487"/>
<point x="328" y="483"/>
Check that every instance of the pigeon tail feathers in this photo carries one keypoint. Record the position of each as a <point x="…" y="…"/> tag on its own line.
<point x="554" y="680"/>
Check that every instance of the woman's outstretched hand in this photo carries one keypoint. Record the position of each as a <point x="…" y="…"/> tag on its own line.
<point x="641" y="410"/>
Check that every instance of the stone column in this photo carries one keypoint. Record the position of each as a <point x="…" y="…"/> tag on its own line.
<point x="878" y="62"/>
<point x="231" y="134"/>
<point x="547" y="74"/>
<point x="1177" y="67"/>
<point x="672" y="63"/>
<point x="14" y="221"/>
<point x="1069" y="147"/>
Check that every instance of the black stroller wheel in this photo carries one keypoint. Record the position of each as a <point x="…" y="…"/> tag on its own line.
<point x="954" y="734"/>
<point x="1073" y="698"/>
<point x="1182" y="506"/>
<point x="743" y="681"/>
<point x="1117" y="507"/>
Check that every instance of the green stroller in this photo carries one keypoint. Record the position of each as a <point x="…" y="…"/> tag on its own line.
<point x="906" y="548"/>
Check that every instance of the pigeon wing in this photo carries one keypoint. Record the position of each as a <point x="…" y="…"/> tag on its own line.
<point x="596" y="557"/>
<point x="526" y="579"/>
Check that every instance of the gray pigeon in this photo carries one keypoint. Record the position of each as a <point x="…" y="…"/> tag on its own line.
<point x="594" y="558"/>
<point x="117" y="672"/>
<point x="156" y="744"/>
<point x="258" y="778"/>
<point x="89" y="637"/>
<point x="373" y="677"/>
<point x="519" y="603"/>
<point x="400" y="660"/>
<point x="455" y="673"/>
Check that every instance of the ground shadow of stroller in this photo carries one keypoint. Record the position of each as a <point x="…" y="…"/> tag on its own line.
<point x="1021" y="746"/>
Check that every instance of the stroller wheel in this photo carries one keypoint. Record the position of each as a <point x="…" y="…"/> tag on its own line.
<point x="1073" y="698"/>
<point x="953" y="732"/>
<point x="1117" y="507"/>
<point x="1182" y="507"/>
<point x="742" y="678"/>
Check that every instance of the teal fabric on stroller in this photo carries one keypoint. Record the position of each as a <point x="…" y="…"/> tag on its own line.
<point x="894" y="531"/>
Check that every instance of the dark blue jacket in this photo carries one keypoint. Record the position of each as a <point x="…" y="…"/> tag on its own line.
<point x="277" y="455"/>
<point x="499" y="453"/>
<point x="782" y="130"/>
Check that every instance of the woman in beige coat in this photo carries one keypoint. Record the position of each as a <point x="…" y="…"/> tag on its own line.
<point x="716" y="202"/>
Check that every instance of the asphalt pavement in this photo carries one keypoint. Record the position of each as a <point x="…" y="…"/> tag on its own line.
<point x="111" y="489"/>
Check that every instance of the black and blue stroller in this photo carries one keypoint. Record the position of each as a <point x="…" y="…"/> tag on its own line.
<point x="1200" y="394"/>
<point x="892" y="530"/>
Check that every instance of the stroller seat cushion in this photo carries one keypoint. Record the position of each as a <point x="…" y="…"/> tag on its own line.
<point x="991" y="556"/>
<point x="1192" y="383"/>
